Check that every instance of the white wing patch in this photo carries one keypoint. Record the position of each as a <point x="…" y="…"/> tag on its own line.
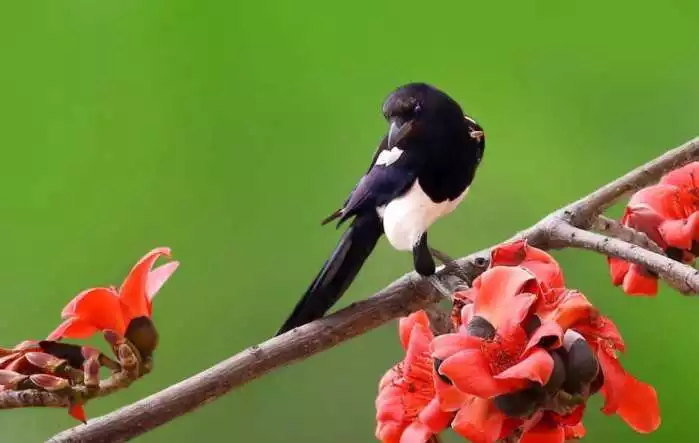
<point x="388" y="157"/>
<point x="406" y="218"/>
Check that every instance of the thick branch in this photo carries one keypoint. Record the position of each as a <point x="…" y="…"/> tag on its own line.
<point x="403" y="296"/>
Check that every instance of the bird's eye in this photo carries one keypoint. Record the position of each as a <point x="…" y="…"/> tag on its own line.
<point x="417" y="109"/>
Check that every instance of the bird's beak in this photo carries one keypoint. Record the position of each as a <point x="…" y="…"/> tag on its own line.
<point x="398" y="131"/>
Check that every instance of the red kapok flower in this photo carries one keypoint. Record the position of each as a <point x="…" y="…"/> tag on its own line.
<point x="126" y="312"/>
<point x="491" y="354"/>
<point x="669" y="214"/>
<point x="406" y="408"/>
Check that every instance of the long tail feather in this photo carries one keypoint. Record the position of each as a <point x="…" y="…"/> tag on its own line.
<point x="339" y="271"/>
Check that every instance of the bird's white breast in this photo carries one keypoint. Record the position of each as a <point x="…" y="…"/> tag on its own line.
<point x="406" y="218"/>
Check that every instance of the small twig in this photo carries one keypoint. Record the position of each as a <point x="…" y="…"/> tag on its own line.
<point x="683" y="278"/>
<point x="613" y="228"/>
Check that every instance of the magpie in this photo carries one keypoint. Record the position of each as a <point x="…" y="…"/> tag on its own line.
<point x="421" y="171"/>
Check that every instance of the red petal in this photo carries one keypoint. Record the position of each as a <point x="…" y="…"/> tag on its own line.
<point x="685" y="177"/>
<point x="638" y="406"/>
<point x="158" y="276"/>
<point x="681" y="233"/>
<point x="638" y="282"/>
<point x="434" y="417"/>
<point x="547" y="330"/>
<point x="72" y="328"/>
<point x="133" y="291"/>
<point x="416" y="432"/>
<point x="537" y="367"/>
<point x="479" y="421"/>
<point x="499" y="299"/>
<point x="538" y="262"/>
<point x="541" y="433"/>
<point x="446" y="345"/>
<point x="614" y="380"/>
<point x="618" y="269"/>
<point x="78" y="413"/>
<point x="572" y="308"/>
<point x="449" y="397"/>
<point x="99" y="307"/>
<point x="575" y="432"/>
<point x="470" y="373"/>
<point x="406" y="324"/>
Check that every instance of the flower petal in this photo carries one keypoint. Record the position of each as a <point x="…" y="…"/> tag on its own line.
<point x="158" y="276"/>
<point x="470" y="373"/>
<point x="479" y="421"/>
<point x="614" y="379"/>
<point x="416" y="432"/>
<point x="133" y="291"/>
<point x="538" y="262"/>
<point x="78" y="412"/>
<point x="406" y="325"/>
<point x="499" y="295"/>
<point x="449" y="397"/>
<point x="681" y="233"/>
<point x="685" y="177"/>
<point x="537" y="367"/>
<point x="541" y="433"/>
<point x="639" y="406"/>
<point x="434" y="417"/>
<point x="72" y="328"/>
<point x="446" y="345"/>
<point x="575" y="432"/>
<point x="618" y="269"/>
<point x="99" y="307"/>
<point x="549" y="333"/>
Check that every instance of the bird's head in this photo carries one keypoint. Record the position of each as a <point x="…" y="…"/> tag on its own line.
<point x="418" y="113"/>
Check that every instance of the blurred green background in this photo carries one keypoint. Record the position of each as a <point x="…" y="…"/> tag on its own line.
<point x="228" y="130"/>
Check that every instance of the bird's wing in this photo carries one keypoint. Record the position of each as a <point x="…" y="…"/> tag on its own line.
<point x="391" y="173"/>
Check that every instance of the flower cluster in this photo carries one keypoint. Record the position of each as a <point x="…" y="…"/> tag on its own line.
<point x="668" y="213"/>
<point x="525" y="356"/>
<point x="124" y="316"/>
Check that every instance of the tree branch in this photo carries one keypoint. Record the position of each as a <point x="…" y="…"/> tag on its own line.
<point x="613" y="228"/>
<point x="563" y="228"/>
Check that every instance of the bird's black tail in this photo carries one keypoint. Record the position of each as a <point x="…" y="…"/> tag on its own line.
<point x="338" y="272"/>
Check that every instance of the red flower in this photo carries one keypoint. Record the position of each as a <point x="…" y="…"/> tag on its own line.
<point x="492" y="355"/>
<point x="669" y="214"/>
<point x="406" y="408"/>
<point x="126" y="312"/>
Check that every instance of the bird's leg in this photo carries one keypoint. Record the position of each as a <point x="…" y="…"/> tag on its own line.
<point x="422" y="257"/>
<point x="425" y="266"/>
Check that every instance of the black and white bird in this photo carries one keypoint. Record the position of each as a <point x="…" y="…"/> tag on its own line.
<point x="420" y="172"/>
